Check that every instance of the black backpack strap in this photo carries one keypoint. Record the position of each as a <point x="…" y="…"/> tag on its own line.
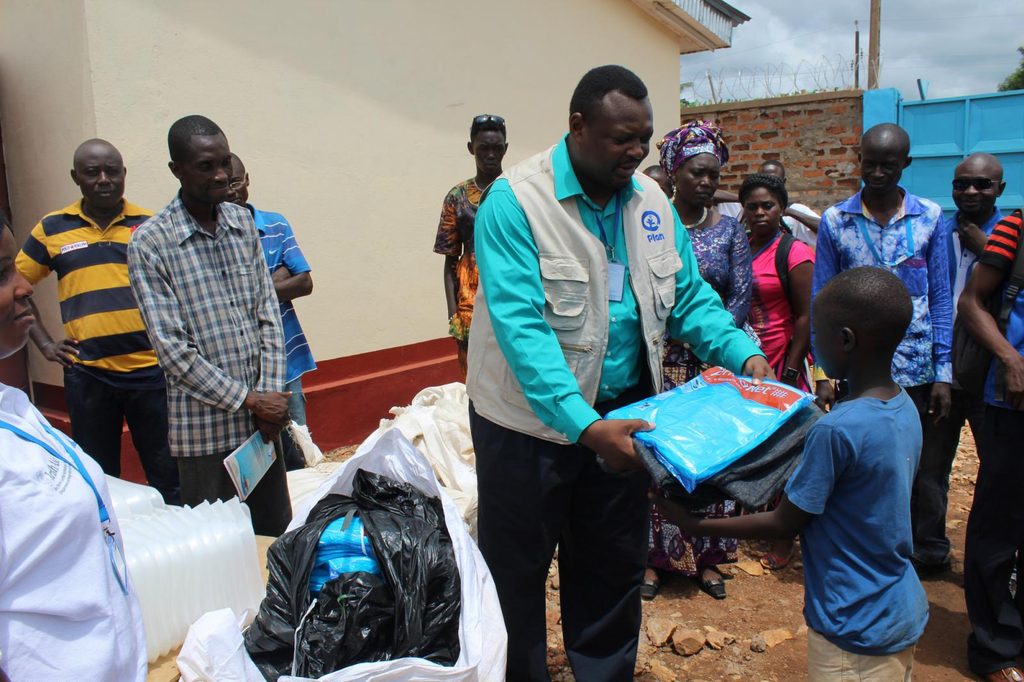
<point x="1013" y="288"/>
<point x="782" y="261"/>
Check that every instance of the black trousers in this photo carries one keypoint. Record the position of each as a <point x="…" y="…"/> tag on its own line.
<point x="928" y="498"/>
<point x="98" y="411"/>
<point x="535" y="495"/>
<point x="204" y="478"/>
<point x="995" y="544"/>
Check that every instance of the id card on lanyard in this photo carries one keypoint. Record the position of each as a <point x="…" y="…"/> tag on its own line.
<point x="616" y="269"/>
<point x="72" y="460"/>
<point x="908" y="253"/>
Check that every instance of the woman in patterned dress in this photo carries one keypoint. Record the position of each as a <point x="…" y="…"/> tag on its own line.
<point x="692" y="156"/>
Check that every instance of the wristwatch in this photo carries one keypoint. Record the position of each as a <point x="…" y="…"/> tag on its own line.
<point x="790" y="374"/>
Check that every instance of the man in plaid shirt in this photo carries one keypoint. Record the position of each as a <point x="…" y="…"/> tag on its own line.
<point x="198" y="274"/>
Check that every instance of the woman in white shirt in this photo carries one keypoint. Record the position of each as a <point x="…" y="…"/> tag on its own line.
<point x="67" y="610"/>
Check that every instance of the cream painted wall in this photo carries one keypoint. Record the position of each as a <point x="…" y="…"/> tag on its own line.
<point x="352" y="117"/>
<point x="47" y="109"/>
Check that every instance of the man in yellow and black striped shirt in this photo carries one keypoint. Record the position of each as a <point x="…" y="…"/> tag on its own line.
<point x="110" y="370"/>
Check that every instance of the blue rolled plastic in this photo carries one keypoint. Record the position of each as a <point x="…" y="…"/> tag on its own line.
<point x="340" y="552"/>
<point x="711" y="421"/>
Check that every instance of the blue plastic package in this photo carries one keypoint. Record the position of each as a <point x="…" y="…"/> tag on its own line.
<point x="343" y="548"/>
<point x="711" y="421"/>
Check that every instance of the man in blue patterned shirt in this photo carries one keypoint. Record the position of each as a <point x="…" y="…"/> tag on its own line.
<point x="292" y="279"/>
<point x="885" y="226"/>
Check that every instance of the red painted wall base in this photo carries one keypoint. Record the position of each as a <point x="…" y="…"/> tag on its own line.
<point x="345" y="398"/>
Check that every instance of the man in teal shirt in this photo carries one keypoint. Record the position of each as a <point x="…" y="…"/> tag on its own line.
<point x="580" y="277"/>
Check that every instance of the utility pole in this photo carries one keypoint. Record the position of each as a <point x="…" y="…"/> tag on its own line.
<point x="874" y="39"/>
<point x="856" y="55"/>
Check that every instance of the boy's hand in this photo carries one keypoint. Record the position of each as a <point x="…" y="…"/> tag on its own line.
<point x="826" y="394"/>
<point x="677" y="514"/>
<point x="939" y="401"/>
<point x="757" y="368"/>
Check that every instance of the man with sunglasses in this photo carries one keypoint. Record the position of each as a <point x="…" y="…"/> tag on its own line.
<point x="885" y="226"/>
<point x="487" y="145"/>
<point x="977" y="184"/>
<point x="292" y="279"/>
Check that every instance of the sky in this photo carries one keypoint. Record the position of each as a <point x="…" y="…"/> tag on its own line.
<point x="962" y="47"/>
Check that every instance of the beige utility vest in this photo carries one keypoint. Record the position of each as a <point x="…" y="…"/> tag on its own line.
<point x="574" y="271"/>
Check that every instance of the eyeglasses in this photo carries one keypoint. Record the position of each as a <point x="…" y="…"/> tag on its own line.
<point x="239" y="184"/>
<point x="488" y="118"/>
<point x="980" y="184"/>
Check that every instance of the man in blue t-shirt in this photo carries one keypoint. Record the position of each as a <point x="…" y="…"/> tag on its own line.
<point x="995" y="528"/>
<point x="292" y="279"/>
<point x="850" y="496"/>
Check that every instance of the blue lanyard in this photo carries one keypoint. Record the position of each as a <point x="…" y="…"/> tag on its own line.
<point x="608" y="245"/>
<point x="874" y="250"/>
<point x="76" y="463"/>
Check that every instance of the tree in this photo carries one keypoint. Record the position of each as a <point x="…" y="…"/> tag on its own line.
<point x="1015" y="81"/>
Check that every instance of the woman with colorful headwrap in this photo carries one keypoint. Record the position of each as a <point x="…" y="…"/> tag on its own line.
<point x="692" y="157"/>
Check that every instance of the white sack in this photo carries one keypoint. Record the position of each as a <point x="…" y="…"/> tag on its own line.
<point x="215" y="652"/>
<point x="437" y="423"/>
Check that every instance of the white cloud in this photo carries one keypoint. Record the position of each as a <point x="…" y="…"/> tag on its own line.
<point x="961" y="48"/>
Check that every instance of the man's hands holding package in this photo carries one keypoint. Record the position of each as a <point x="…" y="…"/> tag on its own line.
<point x="612" y="440"/>
<point x="271" y="411"/>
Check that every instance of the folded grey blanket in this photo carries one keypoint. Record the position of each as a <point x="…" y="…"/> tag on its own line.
<point x="753" y="480"/>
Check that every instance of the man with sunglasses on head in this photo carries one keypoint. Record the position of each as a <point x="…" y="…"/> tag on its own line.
<point x="487" y="145"/>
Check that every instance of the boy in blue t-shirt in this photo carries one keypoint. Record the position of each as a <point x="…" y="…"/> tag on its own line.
<point x="850" y="496"/>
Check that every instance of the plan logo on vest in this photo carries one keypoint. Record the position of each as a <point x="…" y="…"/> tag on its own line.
<point x="652" y="223"/>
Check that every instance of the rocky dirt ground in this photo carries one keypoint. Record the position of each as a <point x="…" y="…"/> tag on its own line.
<point x="758" y="632"/>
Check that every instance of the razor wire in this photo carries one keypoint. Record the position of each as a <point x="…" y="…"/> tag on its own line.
<point x="825" y="74"/>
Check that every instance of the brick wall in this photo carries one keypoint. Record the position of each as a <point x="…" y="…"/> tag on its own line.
<point x="815" y="136"/>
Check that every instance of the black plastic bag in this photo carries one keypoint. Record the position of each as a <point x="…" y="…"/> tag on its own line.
<point x="353" y="621"/>
<point x="411" y="610"/>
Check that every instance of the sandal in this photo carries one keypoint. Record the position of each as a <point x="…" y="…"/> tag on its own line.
<point x="714" y="587"/>
<point x="1010" y="674"/>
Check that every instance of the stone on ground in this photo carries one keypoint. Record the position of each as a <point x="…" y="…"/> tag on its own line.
<point x="687" y="642"/>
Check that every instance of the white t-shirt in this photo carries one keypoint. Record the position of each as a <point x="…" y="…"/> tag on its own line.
<point x="63" y="615"/>
<point x="799" y="230"/>
<point x="732" y="209"/>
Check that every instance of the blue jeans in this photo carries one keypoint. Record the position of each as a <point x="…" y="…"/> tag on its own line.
<point x="293" y="458"/>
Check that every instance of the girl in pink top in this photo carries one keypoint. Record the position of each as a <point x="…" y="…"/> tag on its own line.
<point x="781" y="319"/>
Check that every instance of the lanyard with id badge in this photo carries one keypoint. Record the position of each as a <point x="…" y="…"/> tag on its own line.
<point x="117" y="562"/>
<point x="908" y="251"/>
<point x="616" y="269"/>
